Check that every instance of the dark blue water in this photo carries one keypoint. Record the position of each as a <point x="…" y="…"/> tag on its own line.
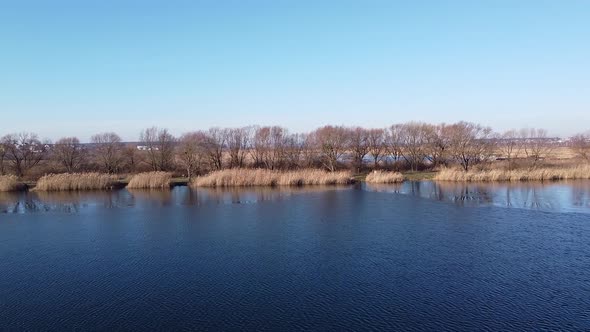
<point x="346" y="259"/>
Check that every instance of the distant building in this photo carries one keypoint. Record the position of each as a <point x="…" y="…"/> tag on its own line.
<point x="147" y="148"/>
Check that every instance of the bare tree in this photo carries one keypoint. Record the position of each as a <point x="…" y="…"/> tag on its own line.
<point x="191" y="152"/>
<point x="3" y="152"/>
<point x="108" y="151"/>
<point x="580" y="145"/>
<point x="393" y="141"/>
<point x="260" y="145"/>
<point x="131" y="158"/>
<point x="413" y="143"/>
<point x="358" y="145"/>
<point x="309" y="151"/>
<point x="69" y="153"/>
<point x="535" y="144"/>
<point x="437" y="140"/>
<point x="238" y="142"/>
<point x="268" y="146"/>
<point x="159" y="145"/>
<point x="470" y="143"/>
<point x="24" y="151"/>
<point x="508" y="145"/>
<point x="377" y="145"/>
<point x="331" y="143"/>
<point x="293" y="150"/>
<point x="214" y="146"/>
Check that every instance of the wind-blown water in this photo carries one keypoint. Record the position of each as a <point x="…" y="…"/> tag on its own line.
<point x="323" y="259"/>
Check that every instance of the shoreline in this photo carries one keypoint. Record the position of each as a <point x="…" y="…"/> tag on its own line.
<point x="416" y="176"/>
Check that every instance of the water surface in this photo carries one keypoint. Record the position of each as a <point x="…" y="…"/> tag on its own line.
<point x="346" y="258"/>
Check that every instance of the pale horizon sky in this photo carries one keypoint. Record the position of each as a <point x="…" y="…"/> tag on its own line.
<point x="76" y="68"/>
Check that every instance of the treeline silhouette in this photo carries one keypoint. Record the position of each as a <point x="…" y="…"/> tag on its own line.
<point x="410" y="146"/>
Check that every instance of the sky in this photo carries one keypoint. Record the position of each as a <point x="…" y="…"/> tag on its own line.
<point x="80" y="67"/>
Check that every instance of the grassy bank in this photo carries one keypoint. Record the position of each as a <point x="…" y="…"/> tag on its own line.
<point x="150" y="180"/>
<point x="384" y="177"/>
<point x="262" y="177"/>
<point x="76" y="181"/>
<point x="540" y="174"/>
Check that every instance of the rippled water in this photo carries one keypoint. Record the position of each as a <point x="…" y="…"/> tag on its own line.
<point x="348" y="258"/>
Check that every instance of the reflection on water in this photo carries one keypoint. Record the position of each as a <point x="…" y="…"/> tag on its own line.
<point x="571" y="196"/>
<point x="27" y="202"/>
<point x="559" y="196"/>
<point x="71" y="202"/>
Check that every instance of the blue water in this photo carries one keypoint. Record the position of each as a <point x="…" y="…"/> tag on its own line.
<point x="323" y="259"/>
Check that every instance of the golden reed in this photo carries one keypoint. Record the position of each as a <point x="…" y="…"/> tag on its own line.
<point x="9" y="183"/>
<point x="264" y="177"/>
<point x="150" y="180"/>
<point x="384" y="177"/>
<point x="76" y="181"/>
<point x="540" y="174"/>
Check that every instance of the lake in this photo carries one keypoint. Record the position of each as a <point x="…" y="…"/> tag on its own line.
<point x="415" y="256"/>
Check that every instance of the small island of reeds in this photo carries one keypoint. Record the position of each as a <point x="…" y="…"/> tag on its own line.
<point x="150" y="180"/>
<point x="76" y="182"/>
<point x="265" y="177"/>
<point x="384" y="177"/>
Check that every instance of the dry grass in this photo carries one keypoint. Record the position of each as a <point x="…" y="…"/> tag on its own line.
<point x="150" y="180"/>
<point x="76" y="181"/>
<point x="9" y="183"/>
<point x="384" y="177"/>
<point x="263" y="177"/>
<point x="540" y="174"/>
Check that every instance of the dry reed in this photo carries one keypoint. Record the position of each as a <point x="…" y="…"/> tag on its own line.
<point x="150" y="180"/>
<point x="540" y="174"/>
<point x="76" y="181"/>
<point x="384" y="177"/>
<point x="9" y="183"/>
<point x="263" y="177"/>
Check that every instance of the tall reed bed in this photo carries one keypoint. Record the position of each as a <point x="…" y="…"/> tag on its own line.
<point x="10" y="183"/>
<point x="384" y="177"/>
<point x="540" y="174"/>
<point x="76" y="181"/>
<point x="263" y="177"/>
<point x="150" y="180"/>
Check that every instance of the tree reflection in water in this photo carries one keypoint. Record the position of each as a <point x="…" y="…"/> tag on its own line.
<point x="551" y="196"/>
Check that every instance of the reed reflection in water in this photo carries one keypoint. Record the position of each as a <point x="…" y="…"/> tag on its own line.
<point x="75" y="201"/>
<point x="71" y="201"/>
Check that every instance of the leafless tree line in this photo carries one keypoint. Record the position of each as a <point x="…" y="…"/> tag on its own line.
<point x="413" y="146"/>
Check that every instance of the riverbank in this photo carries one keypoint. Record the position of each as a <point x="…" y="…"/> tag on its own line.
<point x="259" y="177"/>
<point x="92" y="181"/>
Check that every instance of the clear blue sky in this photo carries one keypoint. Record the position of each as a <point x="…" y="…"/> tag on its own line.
<point x="81" y="67"/>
